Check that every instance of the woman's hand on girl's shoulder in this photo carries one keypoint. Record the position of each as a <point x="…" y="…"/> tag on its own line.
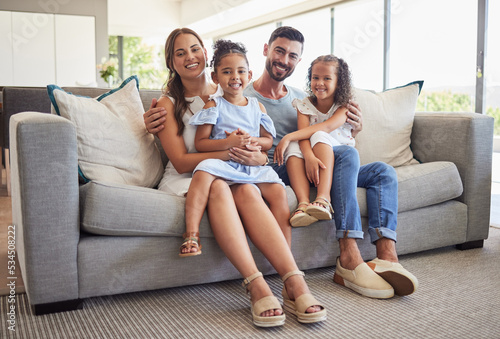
<point x="154" y="118"/>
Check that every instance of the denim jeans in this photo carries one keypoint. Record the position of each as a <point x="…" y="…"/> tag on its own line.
<point x="380" y="181"/>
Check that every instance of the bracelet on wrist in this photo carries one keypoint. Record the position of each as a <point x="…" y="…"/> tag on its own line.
<point x="267" y="161"/>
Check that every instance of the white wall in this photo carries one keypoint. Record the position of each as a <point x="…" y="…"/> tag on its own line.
<point x="153" y="19"/>
<point x="93" y="8"/>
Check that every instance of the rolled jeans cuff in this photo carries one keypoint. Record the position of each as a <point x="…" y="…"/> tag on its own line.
<point x="381" y="232"/>
<point x="349" y="234"/>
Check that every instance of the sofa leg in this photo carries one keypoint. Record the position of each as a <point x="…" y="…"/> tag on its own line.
<point x="470" y="245"/>
<point x="61" y="306"/>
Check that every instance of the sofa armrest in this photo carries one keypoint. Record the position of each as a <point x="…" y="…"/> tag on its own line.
<point x="466" y="139"/>
<point x="45" y="208"/>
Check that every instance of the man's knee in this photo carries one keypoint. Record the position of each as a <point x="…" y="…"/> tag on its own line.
<point x="346" y="154"/>
<point x="385" y="170"/>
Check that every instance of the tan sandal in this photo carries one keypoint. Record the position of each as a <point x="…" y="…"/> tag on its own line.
<point x="299" y="306"/>
<point x="323" y="212"/>
<point x="300" y="217"/>
<point x="267" y="303"/>
<point x="191" y="240"/>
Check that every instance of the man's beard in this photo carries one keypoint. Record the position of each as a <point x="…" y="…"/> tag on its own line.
<point x="269" y="68"/>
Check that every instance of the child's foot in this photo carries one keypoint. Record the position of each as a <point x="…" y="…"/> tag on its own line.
<point x="191" y="245"/>
<point x="300" y="217"/>
<point x="320" y="208"/>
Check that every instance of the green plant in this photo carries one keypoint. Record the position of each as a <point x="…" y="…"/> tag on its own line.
<point x="446" y="101"/>
<point x="108" y="69"/>
<point x="495" y="113"/>
<point x="145" y="61"/>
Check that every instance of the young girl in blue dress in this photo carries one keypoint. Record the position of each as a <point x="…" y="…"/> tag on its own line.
<point x="227" y="121"/>
<point x="322" y="124"/>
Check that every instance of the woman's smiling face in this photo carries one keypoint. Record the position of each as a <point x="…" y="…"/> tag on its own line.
<point x="189" y="56"/>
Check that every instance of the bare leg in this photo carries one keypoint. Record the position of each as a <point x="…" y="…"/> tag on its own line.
<point x="196" y="202"/>
<point x="324" y="153"/>
<point x="298" y="178"/>
<point x="266" y="235"/>
<point x="386" y="249"/>
<point x="230" y="235"/>
<point x="350" y="257"/>
<point x="275" y="195"/>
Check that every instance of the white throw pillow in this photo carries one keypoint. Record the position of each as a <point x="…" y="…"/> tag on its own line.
<point x="113" y="143"/>
<point x="387" y="124"/>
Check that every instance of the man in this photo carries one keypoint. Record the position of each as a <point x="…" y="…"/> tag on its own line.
<point x="384" y="276"/>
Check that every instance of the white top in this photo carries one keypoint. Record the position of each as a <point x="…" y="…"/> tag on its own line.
<point x="225" y="116"/>
<point x="172" y="181"/>
<point x="343" y="134"/>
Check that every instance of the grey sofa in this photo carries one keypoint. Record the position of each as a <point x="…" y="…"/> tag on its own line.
<point x="76" y="241"/>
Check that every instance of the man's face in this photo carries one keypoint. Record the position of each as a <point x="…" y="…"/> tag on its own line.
<point x="282" y="57"/>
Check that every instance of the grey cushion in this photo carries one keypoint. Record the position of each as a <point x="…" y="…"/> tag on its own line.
<point x="422" y="185"/>
<point x="109" y="209"/>
<point x="113" y="209"/>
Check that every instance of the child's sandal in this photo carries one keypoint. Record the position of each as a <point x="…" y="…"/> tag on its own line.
<point x="191" y="240"/>
<point x="323" y="212"/>
<point x="300" y="217"/>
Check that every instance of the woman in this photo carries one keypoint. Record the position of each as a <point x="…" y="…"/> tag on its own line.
<point x="187" y="90"/>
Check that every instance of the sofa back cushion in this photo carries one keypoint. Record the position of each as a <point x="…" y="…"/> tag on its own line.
<point x="387" y="124"/>
<point x="113" y="143"/>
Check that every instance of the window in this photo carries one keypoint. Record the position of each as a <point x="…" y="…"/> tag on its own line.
<point x="254" y="40"/>
<point x="436" y="41"/>
<point x="492" y="69"/>
<point x="147" y="61"/>
<point x="315" y="26"/>
<point x="359" y="39"/>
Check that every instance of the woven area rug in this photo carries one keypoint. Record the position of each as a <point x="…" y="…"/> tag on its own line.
<point x="459" y="297"/>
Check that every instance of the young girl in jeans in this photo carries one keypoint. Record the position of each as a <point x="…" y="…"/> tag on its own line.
<point x="321" y="122"/>
<point x="231" y="120"/>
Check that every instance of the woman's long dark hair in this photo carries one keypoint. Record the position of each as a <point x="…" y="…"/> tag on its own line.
<point x="173" y="86"/>
<point x="343" y="92"/>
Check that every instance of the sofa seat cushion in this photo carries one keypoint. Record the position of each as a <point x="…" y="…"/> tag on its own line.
<point x="117" y="209"/>
<point x="123" y="210"/>
<point x="422" y="185"/>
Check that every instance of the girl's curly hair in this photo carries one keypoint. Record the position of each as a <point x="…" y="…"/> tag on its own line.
<point x="225" y="47"/>
<point x="343" y="92"/>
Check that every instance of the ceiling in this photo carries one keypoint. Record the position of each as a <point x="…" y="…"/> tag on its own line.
<point x="154" y="19"/>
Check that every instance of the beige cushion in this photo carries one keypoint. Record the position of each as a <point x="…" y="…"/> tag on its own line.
<point x="387" y="124"/>
<point x="113" y="143"/>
